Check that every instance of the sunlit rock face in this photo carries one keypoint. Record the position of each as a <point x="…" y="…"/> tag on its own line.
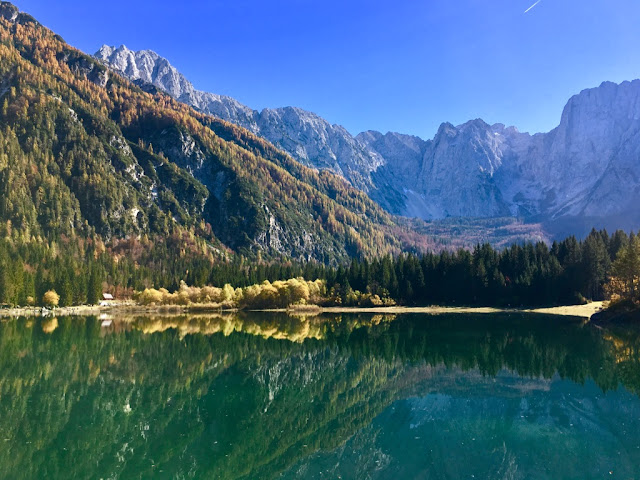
<point x="585" y="171"/>
<point x="586" y="168"/>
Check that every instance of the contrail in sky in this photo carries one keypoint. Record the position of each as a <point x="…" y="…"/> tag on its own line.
<point x="527" y="10"/>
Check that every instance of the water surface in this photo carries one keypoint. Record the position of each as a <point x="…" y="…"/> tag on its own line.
<point x="260" y="396"/>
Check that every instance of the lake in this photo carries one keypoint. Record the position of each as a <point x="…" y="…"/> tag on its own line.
<point x="270" y="396"/>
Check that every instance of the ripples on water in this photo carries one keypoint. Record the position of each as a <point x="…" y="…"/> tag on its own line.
<point x="346" y="396"/>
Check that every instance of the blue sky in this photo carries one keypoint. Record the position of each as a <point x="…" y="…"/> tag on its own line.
<point x="402" y="65"/>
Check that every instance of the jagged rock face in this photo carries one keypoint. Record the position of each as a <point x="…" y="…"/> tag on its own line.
<point x="11" y="13"/>
<point x="307" y="137"/>
<point x="586" y="168"/>
<point x="402" y="157"/>
<point x="589" y="166"/>
<point x="449" y="176"/>
<point x="147" y="66"/>
<point x="8" y="11"/>
<point x="593" y="155"/>
<point x="315" y="142"/>
<point x="474" y="154"/>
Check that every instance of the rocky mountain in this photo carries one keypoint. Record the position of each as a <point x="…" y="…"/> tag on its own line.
<point x="584" y="173"/>
<point x="307" y="137"/>
<point x="87" y="153"/>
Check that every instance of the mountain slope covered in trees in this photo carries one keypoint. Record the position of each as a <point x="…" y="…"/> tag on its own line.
<point x="84" y="152"/>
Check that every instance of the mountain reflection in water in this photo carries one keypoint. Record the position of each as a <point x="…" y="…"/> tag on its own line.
<point x="357" y="396"/>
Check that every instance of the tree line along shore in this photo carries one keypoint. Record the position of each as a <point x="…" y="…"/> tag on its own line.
<point x="76" y="271"/>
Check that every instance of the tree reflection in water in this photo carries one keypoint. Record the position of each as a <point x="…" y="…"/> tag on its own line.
<point x="250" y="395"/>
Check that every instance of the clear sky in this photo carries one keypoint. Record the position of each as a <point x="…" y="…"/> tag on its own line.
<point x="395" y="65"/>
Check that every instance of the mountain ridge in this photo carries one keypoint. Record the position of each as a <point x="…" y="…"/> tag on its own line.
<point x="470" y="170"/>
<point x="583" y="171"/>
<point x="306" y="136"/>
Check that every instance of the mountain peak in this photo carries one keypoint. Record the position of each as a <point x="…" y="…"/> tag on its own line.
<point x="10" y="12"/>
<point x="596" y="113"/>
<point x="475" y="123"/>
<point x="148" y="66"/>
<point x="105" y="51"/>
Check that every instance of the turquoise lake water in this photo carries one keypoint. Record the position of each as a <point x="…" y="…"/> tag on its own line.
<point x="262" y="396"/>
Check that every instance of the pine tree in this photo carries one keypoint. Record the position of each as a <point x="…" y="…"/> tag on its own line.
<point x="595" y="264"/>
<point x="94" y="286"/>
<point x="64" y="288"/>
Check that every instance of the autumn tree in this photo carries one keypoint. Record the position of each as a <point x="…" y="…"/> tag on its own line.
<point x="51" y="299"/>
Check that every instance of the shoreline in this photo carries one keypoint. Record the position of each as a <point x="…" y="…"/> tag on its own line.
<point x="583" y="311"/>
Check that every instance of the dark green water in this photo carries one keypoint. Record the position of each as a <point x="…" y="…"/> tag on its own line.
<point x="352" y="397"/>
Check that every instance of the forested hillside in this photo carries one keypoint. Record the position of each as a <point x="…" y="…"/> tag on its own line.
<point x="86" y="154"/>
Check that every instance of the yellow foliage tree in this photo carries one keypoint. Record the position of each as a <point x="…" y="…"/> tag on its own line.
<point x="51" y="299"/>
